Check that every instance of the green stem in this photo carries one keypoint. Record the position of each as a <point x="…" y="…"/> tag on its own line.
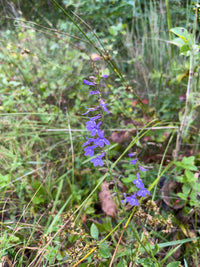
<point x="169" y="22"/>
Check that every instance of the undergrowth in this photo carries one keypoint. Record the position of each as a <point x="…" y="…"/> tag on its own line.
<point x="122" y="77"/>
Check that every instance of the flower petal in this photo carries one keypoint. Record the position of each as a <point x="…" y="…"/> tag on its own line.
<point x="142" y="169"/>
<point x="94" y="92"/>
<point x="88" y="83"/>
<point x="133" y="162"/>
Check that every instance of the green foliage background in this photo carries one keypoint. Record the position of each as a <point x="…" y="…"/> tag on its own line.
<point x="44" y="175"/>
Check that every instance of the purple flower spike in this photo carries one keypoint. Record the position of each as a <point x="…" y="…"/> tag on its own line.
<point x="103" y="105"/>
<point x="93" y="127"/>
<point x="132" y="154"/>
<point x="133" y="162"/>
<point x="98" y="160"/>
<point x="89" y="141"/>
<point x="89" y="150"/>
<point x="143" y="192"/>
<point x="138" y="183"/>
<point x="95" y="117"/>
<point x="132" y="200"/>
<point x="105" y="76"/>
<point x="94" y="92"/>
<point x="101" y="140"/>
<point x="90" y="109"/>
<point x="88" y="83"/>
<point x="142" y="169"/>
<point x="90" y="124"/>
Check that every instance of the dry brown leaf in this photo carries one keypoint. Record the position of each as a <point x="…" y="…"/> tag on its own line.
<point x="107" y="203"/>
<point x="119" y="137"/>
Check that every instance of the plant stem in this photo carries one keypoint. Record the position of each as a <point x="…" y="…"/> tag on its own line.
<point x="169" y="22"/>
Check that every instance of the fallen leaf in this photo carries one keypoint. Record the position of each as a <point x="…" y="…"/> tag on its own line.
<point x="119" y="137"/>
<point x="107" y="203"/>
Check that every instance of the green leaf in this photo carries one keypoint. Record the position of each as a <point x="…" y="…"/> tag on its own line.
<point x="4" y="180"/>
<point x="112" y="31"/>
<point x="182" y="196"/>
<point x="178" y="42"/>
<point x="182" y="33"/>
<point x="189" y="160"/>
<point x="174" y="264"/>
<point x="13" y="239"/>
<point x="181" y="179"/>
<point x="104" y="251"/>
<point x="185" y="49"/>
<point x="190" y="176"/>
<point x="123" y="252"/>
<point x="190" y="167"/>
<point x="186" y="189"/>
<point x="187" y="163"/>
<point x="94" y="232"/>
<point x="122" y="263"/>
<point x="37" y="200"/>
<point x="193" y="196"/>
<point x="156" y="249"/>
<point x="90" y="210"/>
<point x="147" y="262"/>
<point x="128" y="179"/>
<point x="196" y="187"/>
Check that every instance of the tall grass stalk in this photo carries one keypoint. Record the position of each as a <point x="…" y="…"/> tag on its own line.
<point x="148" y="50"/>
<point x="190" y="88"/>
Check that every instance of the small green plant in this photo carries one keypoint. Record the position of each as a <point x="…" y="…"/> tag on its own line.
<point x="187" y="175"/>
<point x="189" y="48"/>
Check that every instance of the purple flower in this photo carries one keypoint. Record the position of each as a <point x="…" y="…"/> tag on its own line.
<point x="94" y="92"/>
<point x="101" y="140"/>
<point x="103" y="105"/>
<point x="95" y="117"/>
<point x="133" y="162"/>
<point x="93" y="127"/>
<point x="143" y="192"/>
<point x="88" y="83"/>
<point x="98" y="160"/>
<point x="89" y="140"/>
<point x="105" y="76"/>
<point x="138" y="182"/>
<point x="89" y="150"/>
<point x="142" y="169"/>
<point x="90" y="109"/>
<point x="90" y="124"/>
<point x="132" y="154"/>
<point x="132" y="200"/>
